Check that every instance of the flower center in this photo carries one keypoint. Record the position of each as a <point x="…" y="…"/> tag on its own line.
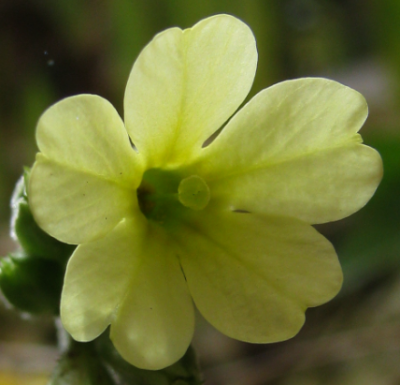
<point x="164" y="196"/>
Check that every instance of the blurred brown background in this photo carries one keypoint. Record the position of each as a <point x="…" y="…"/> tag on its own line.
<point x="52" y="49"/>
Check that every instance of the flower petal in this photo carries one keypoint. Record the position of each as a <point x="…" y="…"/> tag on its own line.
<point x="293" y="150"/>
<point x="155" y="323"/>
<point x="76" y="206"/>
<point x="252" y="277"/>
<point x="186" y="84"/>
<point x="318" y="188"/>
<point x="85" y="133"/>
<point x="97" y="277"/>
<point x="83" y="182"/>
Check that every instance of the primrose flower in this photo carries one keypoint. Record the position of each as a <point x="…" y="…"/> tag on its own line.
<point x="171" y="220"/>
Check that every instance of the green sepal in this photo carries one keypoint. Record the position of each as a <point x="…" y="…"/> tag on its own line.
<point x="184" y="372"/>
<point x="28" y="234"/>
<point x="31" y="284"/>
<point x="80" y="365"/>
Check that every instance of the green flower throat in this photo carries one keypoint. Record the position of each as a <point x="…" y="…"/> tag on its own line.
<point x="164" y="195"/>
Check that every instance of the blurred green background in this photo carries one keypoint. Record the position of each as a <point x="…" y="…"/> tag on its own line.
<point x="53" y="49"/>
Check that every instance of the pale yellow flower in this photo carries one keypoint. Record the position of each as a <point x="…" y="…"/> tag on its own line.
<point x="227" y="225"/>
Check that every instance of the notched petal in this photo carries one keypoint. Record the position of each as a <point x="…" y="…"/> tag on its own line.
<point x="293" y="150"/>
<point x="185" y="85"/>
<point x="254" y="278"/>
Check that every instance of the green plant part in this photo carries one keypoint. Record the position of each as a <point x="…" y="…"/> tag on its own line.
<point x="80" y="365"/>
<point x="24" y="229"/>
<point x="31" y="284"/>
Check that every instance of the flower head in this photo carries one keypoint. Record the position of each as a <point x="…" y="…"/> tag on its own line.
<point x="171" y="221"/>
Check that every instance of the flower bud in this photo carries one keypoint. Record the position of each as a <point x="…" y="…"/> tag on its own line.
<point x="31" y="284"/>
<point x="28" y="234"/>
